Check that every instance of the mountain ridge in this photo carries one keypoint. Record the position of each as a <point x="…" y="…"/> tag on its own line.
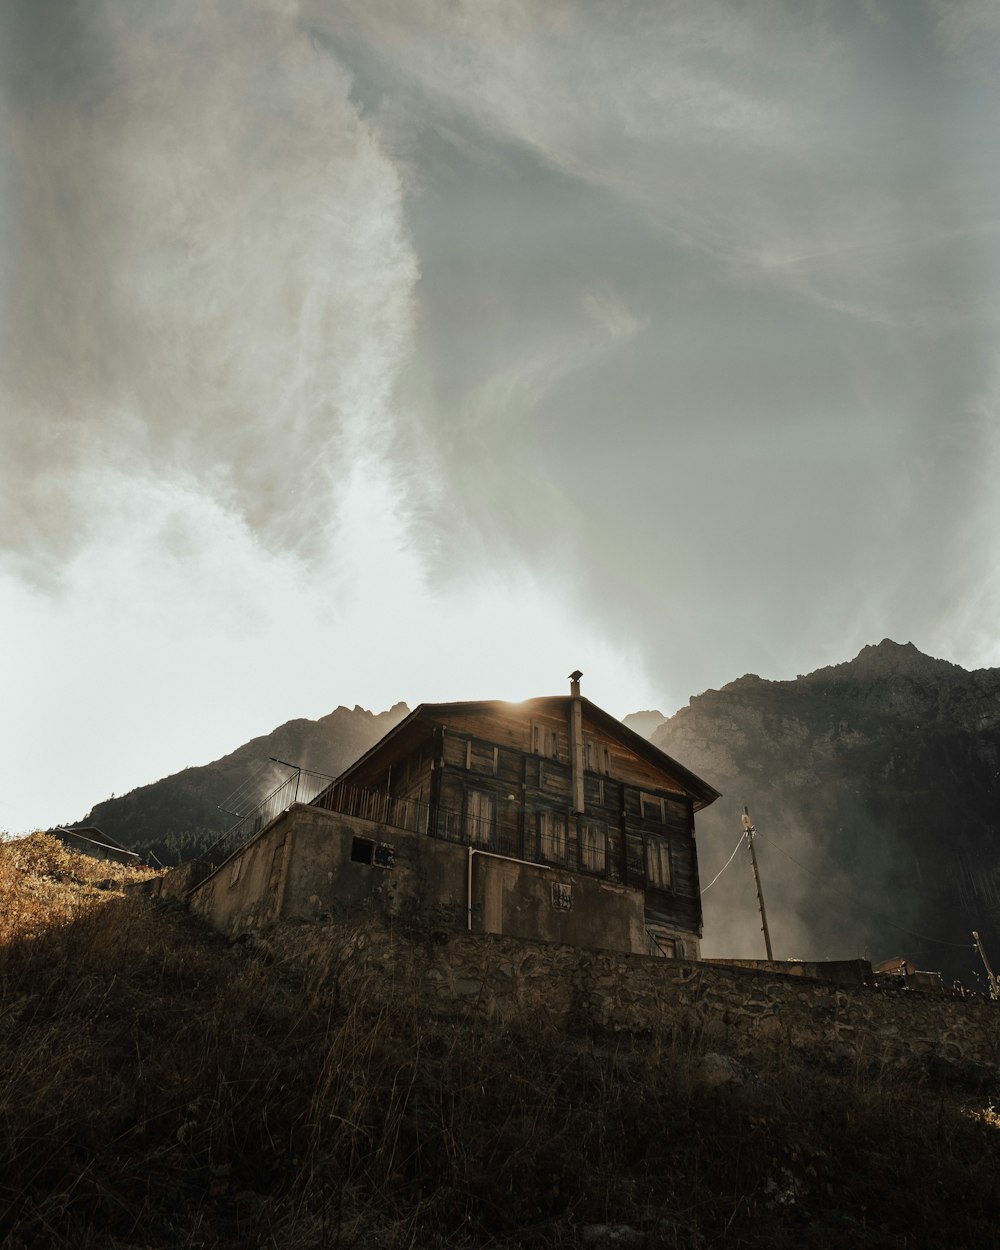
<point x="178" y="816"/>
<point x="875" y="785"/>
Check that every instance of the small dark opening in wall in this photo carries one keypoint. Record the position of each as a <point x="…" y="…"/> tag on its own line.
<point x="562" y="896"/>
<point x="365" y="851"/>
<point x="362" y="851"/>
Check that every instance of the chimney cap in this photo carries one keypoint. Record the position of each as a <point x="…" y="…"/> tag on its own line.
<point x="575" y="675"/>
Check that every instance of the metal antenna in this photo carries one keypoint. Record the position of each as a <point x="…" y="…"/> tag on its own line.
<point x="749" y="830"/>
<point x="298" y="773"/>
<point x="245" y="797"/>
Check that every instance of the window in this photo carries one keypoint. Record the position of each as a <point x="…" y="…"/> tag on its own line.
<point x="651" y="806"/>
<point x="599" y="793"/>
<point x="658" y="864"/>
<point x="482" y="757"/>
<point x="544" y="740"/>
<point x="597" y="757"/>
<point x="552" y="835"/>
<point x="663" y="946"/>
<point x="367" y="851"/>
<point x="593" y="846"/>
<point x="478" y="818"/>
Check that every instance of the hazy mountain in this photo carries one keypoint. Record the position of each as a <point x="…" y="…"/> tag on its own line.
<point x="644" y="723"/>
<point x="874" y="787"/>
<point x="179" y="816"/>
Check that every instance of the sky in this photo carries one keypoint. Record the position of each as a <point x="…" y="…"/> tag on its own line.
<point x="357" y="352"/>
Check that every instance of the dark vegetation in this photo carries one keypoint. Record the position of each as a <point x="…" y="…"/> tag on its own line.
<point x="164" y="1089"/>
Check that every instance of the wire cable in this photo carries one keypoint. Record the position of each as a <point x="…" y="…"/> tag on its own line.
<point x="963" y="946"/>
<point x="723" y="868"/>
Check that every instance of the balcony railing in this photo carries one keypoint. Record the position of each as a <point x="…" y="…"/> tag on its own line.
<point x="498" y="833"/>
<point x="417" y="816"/>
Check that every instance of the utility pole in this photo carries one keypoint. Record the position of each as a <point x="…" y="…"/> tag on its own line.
<point x="994" y="988"/>
<point x="749" y="831"/>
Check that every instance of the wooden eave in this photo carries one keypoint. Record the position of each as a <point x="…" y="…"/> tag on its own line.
<point x="403" y="738"/>
<point x="416" y="727"/>
<point x="701" y="793"/>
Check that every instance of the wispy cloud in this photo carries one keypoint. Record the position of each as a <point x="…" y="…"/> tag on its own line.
<point x="215" y="278"/>
<point x="752" y="132"/>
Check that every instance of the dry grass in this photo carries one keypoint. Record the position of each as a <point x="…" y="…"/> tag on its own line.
<point x="163" y="1089"/>
<point x="43" y="885"/>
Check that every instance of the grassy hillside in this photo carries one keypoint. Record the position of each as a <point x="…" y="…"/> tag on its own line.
<point x="163" y="1089"/>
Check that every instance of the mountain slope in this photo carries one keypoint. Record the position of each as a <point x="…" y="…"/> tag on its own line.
<point x="874" y="785"/>
<point x="178" y="817"/>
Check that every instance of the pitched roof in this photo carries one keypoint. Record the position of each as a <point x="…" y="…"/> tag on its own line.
<point x="436" y="714"/>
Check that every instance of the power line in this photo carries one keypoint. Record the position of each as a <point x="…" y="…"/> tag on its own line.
<point x="724" y="867"/>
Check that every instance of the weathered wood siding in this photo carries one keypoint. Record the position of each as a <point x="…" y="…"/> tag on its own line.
<point x="512" y="725"/>
<point x="637" y="807"/>
<point x="500" y="777"/>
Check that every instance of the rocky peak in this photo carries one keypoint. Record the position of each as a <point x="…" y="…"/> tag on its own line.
<point x="891" y="659"/>
<point x="880" y="774"/>
<point x="644" y="723"/>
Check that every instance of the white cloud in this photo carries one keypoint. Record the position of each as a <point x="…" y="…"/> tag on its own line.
<point x="176" y="635"/>
<point x="965" y="26"/>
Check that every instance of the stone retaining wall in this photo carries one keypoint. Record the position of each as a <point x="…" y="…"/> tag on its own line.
<point x="739" y="1010"/>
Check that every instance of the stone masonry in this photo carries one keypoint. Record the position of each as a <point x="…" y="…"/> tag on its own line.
<point x="739" y="1010"/>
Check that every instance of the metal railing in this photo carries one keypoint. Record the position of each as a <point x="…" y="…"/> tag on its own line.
<point x="498" y="831"/>
<point x="490" y="832"/>
<point x="301" y="787"/>
<point x="384" y="809"/>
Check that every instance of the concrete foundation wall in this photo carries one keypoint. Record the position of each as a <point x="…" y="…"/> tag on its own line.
<point x="178" y="882"/>
<point x="418" y="877"/>
<point x="313" y="865"/>
<point x="843" y="971"/>
<point x="530" y="901"/>
<point x="245" y="891"/>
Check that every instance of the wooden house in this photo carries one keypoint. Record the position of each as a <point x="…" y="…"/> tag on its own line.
<point x="547" y="819"/>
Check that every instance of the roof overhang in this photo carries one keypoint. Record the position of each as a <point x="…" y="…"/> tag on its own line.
<point x="420" y="723"/>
